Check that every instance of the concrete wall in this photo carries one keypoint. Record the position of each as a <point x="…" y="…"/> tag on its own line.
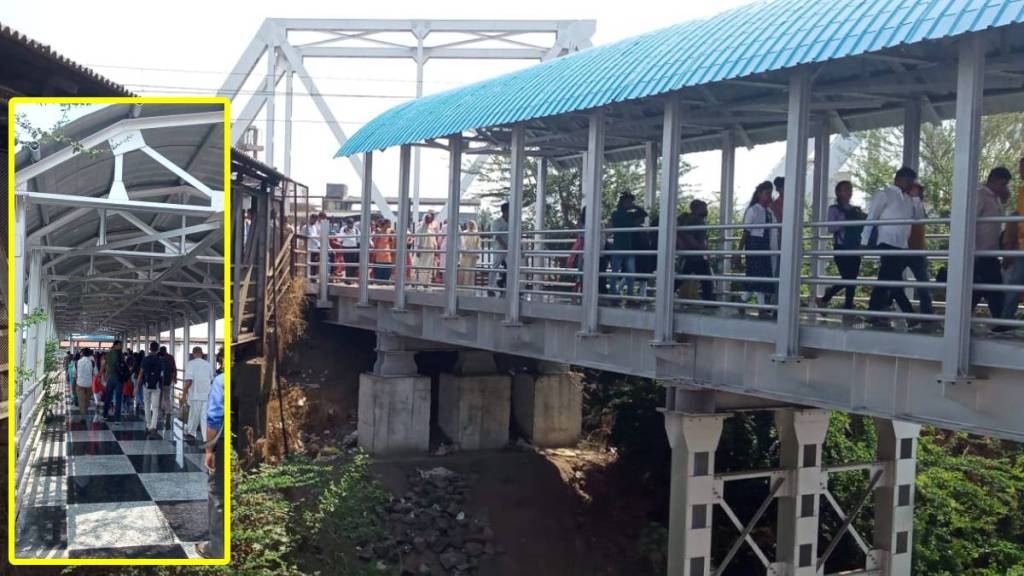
<point x="394" y="414"/>
<point x="474" y="410"/>
<point x="548" y="408"/>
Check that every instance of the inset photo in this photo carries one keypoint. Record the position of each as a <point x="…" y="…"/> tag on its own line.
<point x="118" y="309"/>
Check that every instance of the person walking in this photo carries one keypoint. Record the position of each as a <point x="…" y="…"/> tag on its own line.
<point x="198" y="376"/>
<point x="425" y="243"/>
<point x="893" y="203"/>
<point x="1013" y="239"/>
<point x="992" y="197"/>
<point x="114" y="371"/>
<point x="214" y="459"/>
<point x="383" y="255"/>
<point x="469" y="254"/>
<point x="626" y="215"/>
<point x="85" y="370"/>
<point x="844" y="238"/>
<point x="151" y="377"/>
<point x="760" y="239"/>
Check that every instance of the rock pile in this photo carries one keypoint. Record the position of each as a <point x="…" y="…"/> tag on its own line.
<point x="434" y="533"/>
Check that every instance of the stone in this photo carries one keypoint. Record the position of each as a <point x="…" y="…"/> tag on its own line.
<point x="473" y="549"/>
<point x="350" y="439"/>
<point x="452" y="558"/>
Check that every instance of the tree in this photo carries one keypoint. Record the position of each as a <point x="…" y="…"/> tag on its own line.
<point x="881" y="152"/>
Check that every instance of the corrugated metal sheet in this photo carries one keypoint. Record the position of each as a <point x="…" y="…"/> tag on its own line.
<point x="752" y="39"/>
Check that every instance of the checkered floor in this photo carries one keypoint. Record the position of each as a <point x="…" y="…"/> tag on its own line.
<point x="99" y="489"/>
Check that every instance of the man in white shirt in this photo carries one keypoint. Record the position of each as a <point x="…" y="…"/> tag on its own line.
<point x="992" y="197"/>
<point x="312" y="233"/>
<point x="198" y="376"/>
<point x="85" y="370"/>
<point x="349" y="241"/>
<point x="893" y="203"/>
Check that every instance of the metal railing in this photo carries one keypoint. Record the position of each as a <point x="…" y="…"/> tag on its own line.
<point x="711" y="273"/>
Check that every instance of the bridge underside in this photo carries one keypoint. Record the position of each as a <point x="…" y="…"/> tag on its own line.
<point x="888" y="375"/>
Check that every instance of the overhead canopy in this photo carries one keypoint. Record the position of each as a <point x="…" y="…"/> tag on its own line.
<point x="737" y="58"/>
<point x="112" y="265"/>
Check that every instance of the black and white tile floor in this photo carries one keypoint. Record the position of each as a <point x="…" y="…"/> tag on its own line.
<point x="100" y="489"/>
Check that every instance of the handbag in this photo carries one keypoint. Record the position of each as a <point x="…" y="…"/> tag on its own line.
<point x="127" y="389"/>
<point x="97" y="386"/>
<point x="183" y="409"/>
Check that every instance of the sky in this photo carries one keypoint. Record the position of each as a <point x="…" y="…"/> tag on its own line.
<point x="188" y="48"/>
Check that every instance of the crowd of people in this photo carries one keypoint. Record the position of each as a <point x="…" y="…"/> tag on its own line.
<point x="119" y="384"/>
<point x="629" y="251"/>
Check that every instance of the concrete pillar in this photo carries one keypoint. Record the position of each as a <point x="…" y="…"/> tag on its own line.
<point x="801" y="434"/>
<point x="894" y="496"/>
<point x="474" y="403"/>
<point x="394" y="402"/>
<point x="693" y="438"/>
<point x="547" y="405"/>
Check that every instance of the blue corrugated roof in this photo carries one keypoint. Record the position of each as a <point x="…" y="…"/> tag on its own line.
<point x="752" y="39"/>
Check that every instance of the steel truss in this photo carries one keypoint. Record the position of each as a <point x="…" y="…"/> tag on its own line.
<point x="345" y="39"/>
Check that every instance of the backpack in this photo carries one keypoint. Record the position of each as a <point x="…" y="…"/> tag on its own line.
<point x="168" y="368"/>
<point x="152" y="372"/>
<point x="123" y="371"/>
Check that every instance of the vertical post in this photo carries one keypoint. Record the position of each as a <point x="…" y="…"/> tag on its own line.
<point x="694" y="439"/>
<point x="211" y="334"/>
<point x="819" y="196"/>
<point x="268" y="151"/>
<point x="451" y="246"/>
<point x="912" y="134"/>
<point x="650" y="178"/>
<point x="787" y="344"/>
<point x="35" y="262"/>
<point x="325" y="262"/>
<point x="173" y="337"/>
<point x="515" y="225"/>
<point x="288" y="76"/>
<point x="664" y="303"/>
<point x="364" y="230"/>
<point x="403" y="227"/>
<point x="420" y="33"/>
<point x="956" y="339"/>
<point x="539" y="217"/>
<point x="894" y="496"/>
<point x="186" y="335"/>
<point x="593" y="180"/>
<point x="726" y="194"/>
<point x="20" y="252"/>
<point x="801" y="435"/>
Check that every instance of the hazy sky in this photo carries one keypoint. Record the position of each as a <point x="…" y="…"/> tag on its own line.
<point x="188" y="47"/>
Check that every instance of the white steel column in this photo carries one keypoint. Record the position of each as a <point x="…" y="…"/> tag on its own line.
<point x="325" y="264"/>
<point x="725" y="197"/>
<point x="819" y="197"/>
<point x="665" y="281"/>
<point x="539" y="218"/>
<point x="801" y="434"/>
<point x="173" y="340"/>
<point x="32" y="336"/>
<point x="420" y="32"/>
<point x="365" y="219"/>
<point x="211" y="334"/>
<point x="513" y="261"/>
<point x="650" y="178"/>
<point x="894" y="497"/>
<point x="402" y="230"/>
<point x="593" y="183"/>
<point x="288" y="78"/>
<point x="912" y="134"/>
<point x="957" y="335"/>
<point x="694" y="439"/>
<point x="787" y="341"/>
<point x="451" y="246"/>
<point x="186" y="336"/>
<point x="271" y="83"/>
<point x="20" y="251"/>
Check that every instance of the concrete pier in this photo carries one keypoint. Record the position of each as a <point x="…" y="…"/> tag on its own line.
<point x="547" y="406"/>
<point x="474" y="403"/>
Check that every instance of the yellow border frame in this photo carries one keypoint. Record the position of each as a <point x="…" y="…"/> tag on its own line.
<point x="227" y="334"/>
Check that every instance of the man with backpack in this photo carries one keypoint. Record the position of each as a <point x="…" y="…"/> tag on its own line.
<point x="115" y="372"/>
<point x="170" y="378"/>
<point x="151" y="376"/>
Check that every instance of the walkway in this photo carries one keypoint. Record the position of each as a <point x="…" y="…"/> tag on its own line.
<point x="97" y="489"/>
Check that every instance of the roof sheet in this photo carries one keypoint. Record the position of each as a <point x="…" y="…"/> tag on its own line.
<point x="752" y="39"/>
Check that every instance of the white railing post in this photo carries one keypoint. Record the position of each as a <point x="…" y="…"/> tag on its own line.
<point x="593" y="179"/>
<point x="364" y="230"/>
<point x="787" y="341"/>
<point x="402" y="230"/>
<point x="325" y="257"/>
<point x="819" y="198"/>
<point x="956" y="339"/>
<point x="664" y="303"/>
<point x="451" y="246"/>
<point x="725" y="201"/>
<point x="515" y="226"/>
